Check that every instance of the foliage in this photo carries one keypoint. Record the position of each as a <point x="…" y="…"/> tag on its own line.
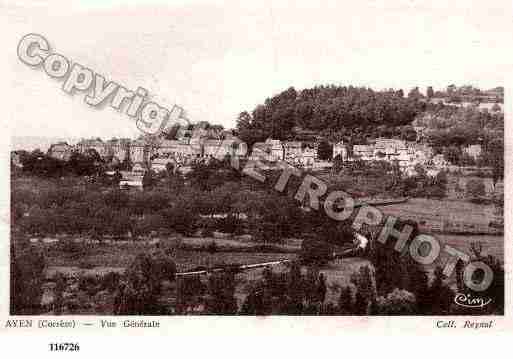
<point x="494" y="155"/>
<point x="398" y="302"/>
<point x="207" y="176"/>
<point x="221" y="294"/>
<point x="495" y="292"/>
<point x="182" y="214"/>
<point x="138" y="292"/>
<point x="72" y="249"/>
<point x="325" y="151"/>
<point x="332" y="109"/>
<point x="423" y="185"/>
<point x="365" y="284"/>
<point x="440" y="294"/>
<point x="314" y="250"/>
<point x="27" y="276"/>
<point x="449" y="126"/>
<point x="475" y="187"/>
<point x="346" y="302"/>
<point x="289" y="293"/>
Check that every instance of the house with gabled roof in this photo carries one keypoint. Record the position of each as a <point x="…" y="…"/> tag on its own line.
<point x="364" y="152"/>
<point x="60" y="150"/>
<point x="340" y="149"/>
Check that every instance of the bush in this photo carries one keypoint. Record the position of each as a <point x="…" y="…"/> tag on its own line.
<point x="212" y="247"/>
<point x="110" y="281"/>
<point x="365" y="283"/>
<point x="27" y="269"/>
<point x="148" y="224"/>
<point x="346" y="302"/>
<point x="187" y="288"/>
<point x="182" y="216"/>
<point x="89" y="284"/>
<point x="116" y="199"/>
<point x="398" y="302"/>
<point x="230" y="224"/>
<point x="221" y="294"/>
<point x="207" y="226"/>
<point x="120" y="224"/>
<point x="316" y="251"/>
<point x="148" y="202"/>
<point x="85" y="264"/>
<point x="475" y="188"/>
<point x="73" y="250"/>
<point x="139" y="294"/>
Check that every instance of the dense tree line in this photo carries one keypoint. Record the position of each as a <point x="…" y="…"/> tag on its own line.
<point x="213" y="197"/>
<point x="40" y="164"/>
<point x="340" y="110"/>
<point x="456" y="126"/>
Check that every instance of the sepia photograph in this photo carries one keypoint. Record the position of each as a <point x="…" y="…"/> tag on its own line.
<point x="210" y="158"/>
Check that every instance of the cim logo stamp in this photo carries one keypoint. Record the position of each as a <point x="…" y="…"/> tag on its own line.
<point x="469" y="301"/>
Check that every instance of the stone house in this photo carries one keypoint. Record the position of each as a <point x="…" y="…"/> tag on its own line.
<point x="340" y="149"/>
<point x="473" y="151"/>
<point x="160" y="164"/>
<point x="364" y="152"/>
<point x="276" y="150"/>
<point x="96" y="144"/>
<point x="308" y="157"/>
<point x="292" y="150"/>
<point x="119" y="148"/>
<point x="60" y="151"/>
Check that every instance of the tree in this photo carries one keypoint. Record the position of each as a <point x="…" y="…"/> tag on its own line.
<point x="365" y="284"/>
<point x="27" y="269"/>
<point x="221" y="294"/>
<point x="116" y="178"/>
<point x="148" y="179"/>
<point x="326" y="109"/>
<point x="430" y="93"/>
<point x="496" y="289"/>
<point x="414" y="93"/>
<point x="496" y="108"/>
<point x="494" y="156"/>
<point x="172" y="132"/>
<point x="453" y="154"/>
<point x="170" y="168"/>
<point x="182" y="215"/>
<point x="126" y="164"/>
<point x="346" y="302"/>
<point x="398" y="302"/>
<point x="440" y="294"/>
<point x="314" y="250"/>
<point x="476" y="187"/>
<point x="120" y="224"/>
<point x="325" y="150"/>
<point x="295" y="289"/>
<point x="138" y="294"/>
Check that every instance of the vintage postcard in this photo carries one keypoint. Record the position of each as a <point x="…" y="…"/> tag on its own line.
<point x="305" y="162"/>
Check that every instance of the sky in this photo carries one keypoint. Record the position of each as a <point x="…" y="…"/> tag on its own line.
<point x="216" y="59"/>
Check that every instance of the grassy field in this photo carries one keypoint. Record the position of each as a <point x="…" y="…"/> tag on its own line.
<point x="429" y="213"/>
<point x="102" y="258"/>
<point x="436" y="214"/>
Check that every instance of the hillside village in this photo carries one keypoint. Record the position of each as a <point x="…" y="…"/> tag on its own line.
<point x="183" y="152"/>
